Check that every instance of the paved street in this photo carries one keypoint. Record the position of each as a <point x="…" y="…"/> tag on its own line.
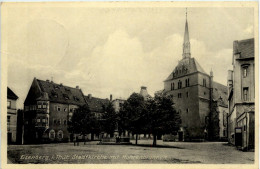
<point x="166" y="152"/>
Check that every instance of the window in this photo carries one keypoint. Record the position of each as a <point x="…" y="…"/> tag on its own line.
<point x="8" y="104"/>
<point x="38" y="120"/>
<point x="172" y="86"/>
<point x="44" y="106"/>
<point x="58" y="109"/>
<point x="187" y="110"/>
<point x="54" y="121"/>
<point x="59" y="121"/>
<point x="39" y="106"/>
<point x="44" y="120"/>
<point x="52" y="134"/>
<point x="8" y="119"/>
<point x="60" y="134"/>
<point x="179" y="84"/>
<point x="245" y="72"/>
<point x="204" y="82"/>
<point x="187" y="82"/>
<point x="65" y="109"/>
<point x="245" y="93"/>
<point x="204" y="93"/>
<point x="187" y="94"/>
<point x="65" y="122"/>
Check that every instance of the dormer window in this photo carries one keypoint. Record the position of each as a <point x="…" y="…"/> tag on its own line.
<point x="54" y="94"/>
<point x="66" y="97"/>
<point x="75" y="98"/>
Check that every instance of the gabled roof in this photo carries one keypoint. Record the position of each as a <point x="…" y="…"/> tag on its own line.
<point x="11" y="94"/>
<point x="96" y="104"/>
<point x="245" y="48"/>
<point x="220" y="94"/>
<point x="184" y="67"/>
<point x="61" y="94"/>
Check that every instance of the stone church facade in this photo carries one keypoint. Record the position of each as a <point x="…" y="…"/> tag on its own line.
<point x="201" y="102"/>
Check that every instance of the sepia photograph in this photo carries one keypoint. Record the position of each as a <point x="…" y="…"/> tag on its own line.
<point x="129" y="83"/>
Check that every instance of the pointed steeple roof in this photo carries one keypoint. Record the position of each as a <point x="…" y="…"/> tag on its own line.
<point x="186" y="41"/>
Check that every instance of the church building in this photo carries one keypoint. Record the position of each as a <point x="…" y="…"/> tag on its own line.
<point x="201" y="102"/>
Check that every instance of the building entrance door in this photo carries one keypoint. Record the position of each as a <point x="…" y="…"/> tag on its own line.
<point x="238" y="136"/>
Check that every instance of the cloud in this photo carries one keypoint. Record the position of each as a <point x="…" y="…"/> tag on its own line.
<point x="249" y="29"/>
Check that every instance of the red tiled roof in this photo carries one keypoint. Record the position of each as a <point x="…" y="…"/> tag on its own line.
<point x="11" y="94"/>
<point x="62" y="94"/>
<point x="245" y="48"/>
<point x="96" y="104"/>
<point x="184" y="67"/>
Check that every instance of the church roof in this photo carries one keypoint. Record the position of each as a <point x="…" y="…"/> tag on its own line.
<point x="185" y="67"/>
<point x="11" y="94"/>
<point x="220" y="94"/>
<point x="96" y="104"/>
<point x="245" y="48"/>
<point x="61" y="94"/>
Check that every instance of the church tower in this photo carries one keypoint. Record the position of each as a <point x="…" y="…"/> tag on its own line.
<point x="194" y="95"/>
<point x="186" y="41"/>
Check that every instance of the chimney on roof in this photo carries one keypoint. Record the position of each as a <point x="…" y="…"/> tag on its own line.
<point x="47" y="80"/>
<point x="77" y="87"/>
<point x="143" y="91"/>
<point x="111" y="97"/>
<point x="89" y="96"/>
<point x="143" y="88"/>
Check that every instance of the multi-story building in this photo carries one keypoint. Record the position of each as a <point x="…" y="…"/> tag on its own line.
<point x="117" y="104"/>
<point x="11" y="116"/>
<point x="48" y="108"/>
<point x="200" y="101"/>
<point x="241" y="95"/>
<point x="96" y="106"/>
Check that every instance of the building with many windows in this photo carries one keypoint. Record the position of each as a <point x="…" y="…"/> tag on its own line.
<point x="241" y="95"/>
<point x="11" y="116"/>
<point x="201" y="102"/>
<point x="96" y="106"/>
<point x="47" y="109"/>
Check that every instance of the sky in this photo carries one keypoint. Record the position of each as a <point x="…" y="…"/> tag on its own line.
<point x="116" y="50"/>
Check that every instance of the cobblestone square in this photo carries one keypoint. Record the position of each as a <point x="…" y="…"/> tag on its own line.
<point x="166" y="152"/>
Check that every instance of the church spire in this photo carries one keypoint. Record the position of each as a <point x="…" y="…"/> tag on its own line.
<point x="186" y="41"/>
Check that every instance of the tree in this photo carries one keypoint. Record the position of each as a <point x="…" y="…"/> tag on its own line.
<point x="109" y="119"/>
<point x="83" y="121"/>
<point x="161" y="116"/>
<point x="132" y="116"/>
